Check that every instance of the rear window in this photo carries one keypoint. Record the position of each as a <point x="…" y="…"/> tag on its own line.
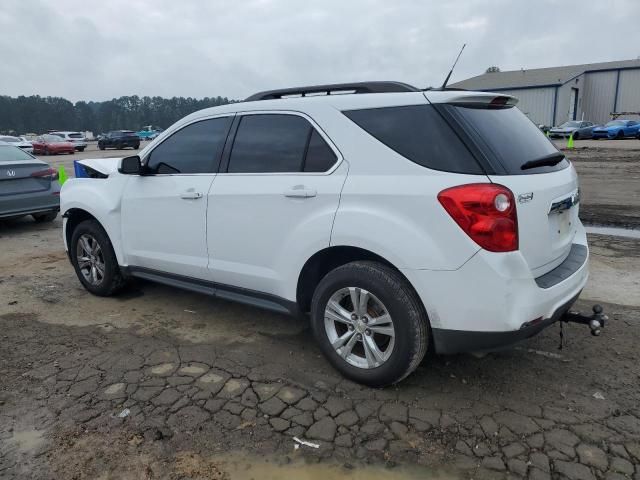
<point x="507" y="137"/>
<point x="11" y="153"/>
<point x="418" y="133"/>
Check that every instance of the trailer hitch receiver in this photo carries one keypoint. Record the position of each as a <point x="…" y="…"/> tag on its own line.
<point x="596" y="322"/>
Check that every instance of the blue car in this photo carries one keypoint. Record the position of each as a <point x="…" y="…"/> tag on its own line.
<point x="618" y="129"/>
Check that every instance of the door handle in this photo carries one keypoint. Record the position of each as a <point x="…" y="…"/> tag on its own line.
<point x="300" y="191"/>
<point x="190" y="195"/>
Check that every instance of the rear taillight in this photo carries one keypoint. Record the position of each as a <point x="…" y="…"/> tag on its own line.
<point x="486" y="212"/>
<point x="47" y="173"/>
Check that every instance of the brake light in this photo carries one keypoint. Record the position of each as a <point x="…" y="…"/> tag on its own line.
<point x="47" y="173"/>
<point x="486" y="212"/>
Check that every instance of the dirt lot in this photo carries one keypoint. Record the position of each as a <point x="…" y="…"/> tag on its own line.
<point x="159" y="383"/>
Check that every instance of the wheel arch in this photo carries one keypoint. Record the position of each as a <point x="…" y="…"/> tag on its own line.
<point x="327" y="259"/>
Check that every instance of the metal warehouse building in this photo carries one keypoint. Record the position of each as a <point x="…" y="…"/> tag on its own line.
<point x="550" y="96"/>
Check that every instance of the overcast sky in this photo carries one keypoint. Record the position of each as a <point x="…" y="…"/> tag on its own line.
<point x="97" y="50"/>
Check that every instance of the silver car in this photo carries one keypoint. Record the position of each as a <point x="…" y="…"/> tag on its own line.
<point x="28" y="186"/>
<point x="19" y="142"/>
<point x="579" y="130"/>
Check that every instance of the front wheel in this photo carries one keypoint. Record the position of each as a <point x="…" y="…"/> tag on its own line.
<point x="94" y="260"/>
<point x="620" y="135"/>
<point x="576" y="136"/>
<point x="369" y="323"/>
<point x="101" y="147"/>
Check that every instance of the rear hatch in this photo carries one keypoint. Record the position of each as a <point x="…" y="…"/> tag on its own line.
<point x="517" y="155"/>
<point x="21" y="173"/>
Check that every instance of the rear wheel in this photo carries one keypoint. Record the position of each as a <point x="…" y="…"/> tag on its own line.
<point x="81" y="149"/>
<point x="101" y="147"/>
<point x="45" y="217"/>
<point x="94" y="260"/>
<point x="369" y="323"/>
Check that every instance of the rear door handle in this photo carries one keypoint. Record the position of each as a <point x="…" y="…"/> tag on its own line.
<point x="300" y="191"/>
<point x="190" y="195"/>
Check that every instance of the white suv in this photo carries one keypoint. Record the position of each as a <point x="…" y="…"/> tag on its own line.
<point x="401" y="220"/>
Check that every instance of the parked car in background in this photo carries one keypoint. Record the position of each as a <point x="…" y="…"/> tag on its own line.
<point x="149" y="132"/>
<point x="119" y="139"/>
<point x="51" y="145"/>
<point x="19" y="142"/>
<point x="618" y="129"/>
<point x="28" y="186"/>
<point x="579" y="129"/>
<point x="286" y="203"/>
<point x="78" y="139"/>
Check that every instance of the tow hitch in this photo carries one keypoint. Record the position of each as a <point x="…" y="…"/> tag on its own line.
<point x="596" y="322"/>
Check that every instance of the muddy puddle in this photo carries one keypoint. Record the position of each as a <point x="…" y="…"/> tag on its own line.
<point x="235" y="467"/>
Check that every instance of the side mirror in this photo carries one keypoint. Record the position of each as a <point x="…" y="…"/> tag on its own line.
<point x="131" y="165"/>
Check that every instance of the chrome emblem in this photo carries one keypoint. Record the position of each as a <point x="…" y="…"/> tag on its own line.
<point x="565" y="203"/>
<point x="525" y="197"/>
<point x="11" y="173"/>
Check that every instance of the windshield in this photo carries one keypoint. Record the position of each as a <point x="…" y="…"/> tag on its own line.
<point x="52" y="138"/>
<point x="9" y="153"/>
<point x="507" y="137"/>
<point x="615" y="123"/>
<point x="570" y="125"/>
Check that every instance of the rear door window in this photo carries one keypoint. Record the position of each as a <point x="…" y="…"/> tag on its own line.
<point x="420" y="134"/>
<point x="278" y="143"/>
<point x="508" y="137"/>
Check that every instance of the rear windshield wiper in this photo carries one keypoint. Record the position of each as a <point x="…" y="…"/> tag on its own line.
<point x="546" y="161"/>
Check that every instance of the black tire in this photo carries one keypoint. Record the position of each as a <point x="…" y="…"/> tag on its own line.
<point x="101" y="147"/>
<point x="620" y="135"/>
<point x="410" y="321"/>
<point x="136" y="146"/>
<point x="576" y="136"/>
<point x="81" y="149"/>
<point x="113" y="280"/>
<point x="45" y="217"/>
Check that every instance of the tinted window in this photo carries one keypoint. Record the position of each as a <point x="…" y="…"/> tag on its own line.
<point x="75" y="135"/>
<point x="10" y="153"/>
<point x="418" y="133"/>
<point x="269" y="143"/>
<point x="320" y="157"/>
<point x="194" y="149"/>
<point x="507" y="136"/>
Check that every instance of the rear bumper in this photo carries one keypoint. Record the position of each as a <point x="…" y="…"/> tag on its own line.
<point x="493" y="300"/>
<point x="447" y="342"/>
<point x="29" y="203"/>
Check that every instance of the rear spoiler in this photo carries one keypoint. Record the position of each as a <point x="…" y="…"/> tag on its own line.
<point x="483" y="100"/>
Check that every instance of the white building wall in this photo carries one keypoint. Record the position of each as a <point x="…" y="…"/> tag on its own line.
<point x="599" y="96"/>
<point x="536" y="103"/>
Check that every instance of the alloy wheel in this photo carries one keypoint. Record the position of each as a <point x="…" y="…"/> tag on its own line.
<point x="90" y="259"/>
<point x="359" y="327"/>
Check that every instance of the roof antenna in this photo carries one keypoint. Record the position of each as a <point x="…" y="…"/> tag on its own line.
<point x="446" y="80"/>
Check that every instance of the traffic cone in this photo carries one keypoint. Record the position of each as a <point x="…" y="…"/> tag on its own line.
<point x="570" y="142"/>
<point x="547" y="134"/>
<point x="62" y="175"/>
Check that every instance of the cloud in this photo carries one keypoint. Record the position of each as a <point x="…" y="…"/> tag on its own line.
<point x="95" y="50"/>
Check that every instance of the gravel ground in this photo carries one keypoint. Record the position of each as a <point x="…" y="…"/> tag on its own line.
<point x="159" y="383"/>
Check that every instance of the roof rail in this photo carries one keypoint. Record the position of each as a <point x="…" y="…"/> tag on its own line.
<point x="361" y="87"/>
